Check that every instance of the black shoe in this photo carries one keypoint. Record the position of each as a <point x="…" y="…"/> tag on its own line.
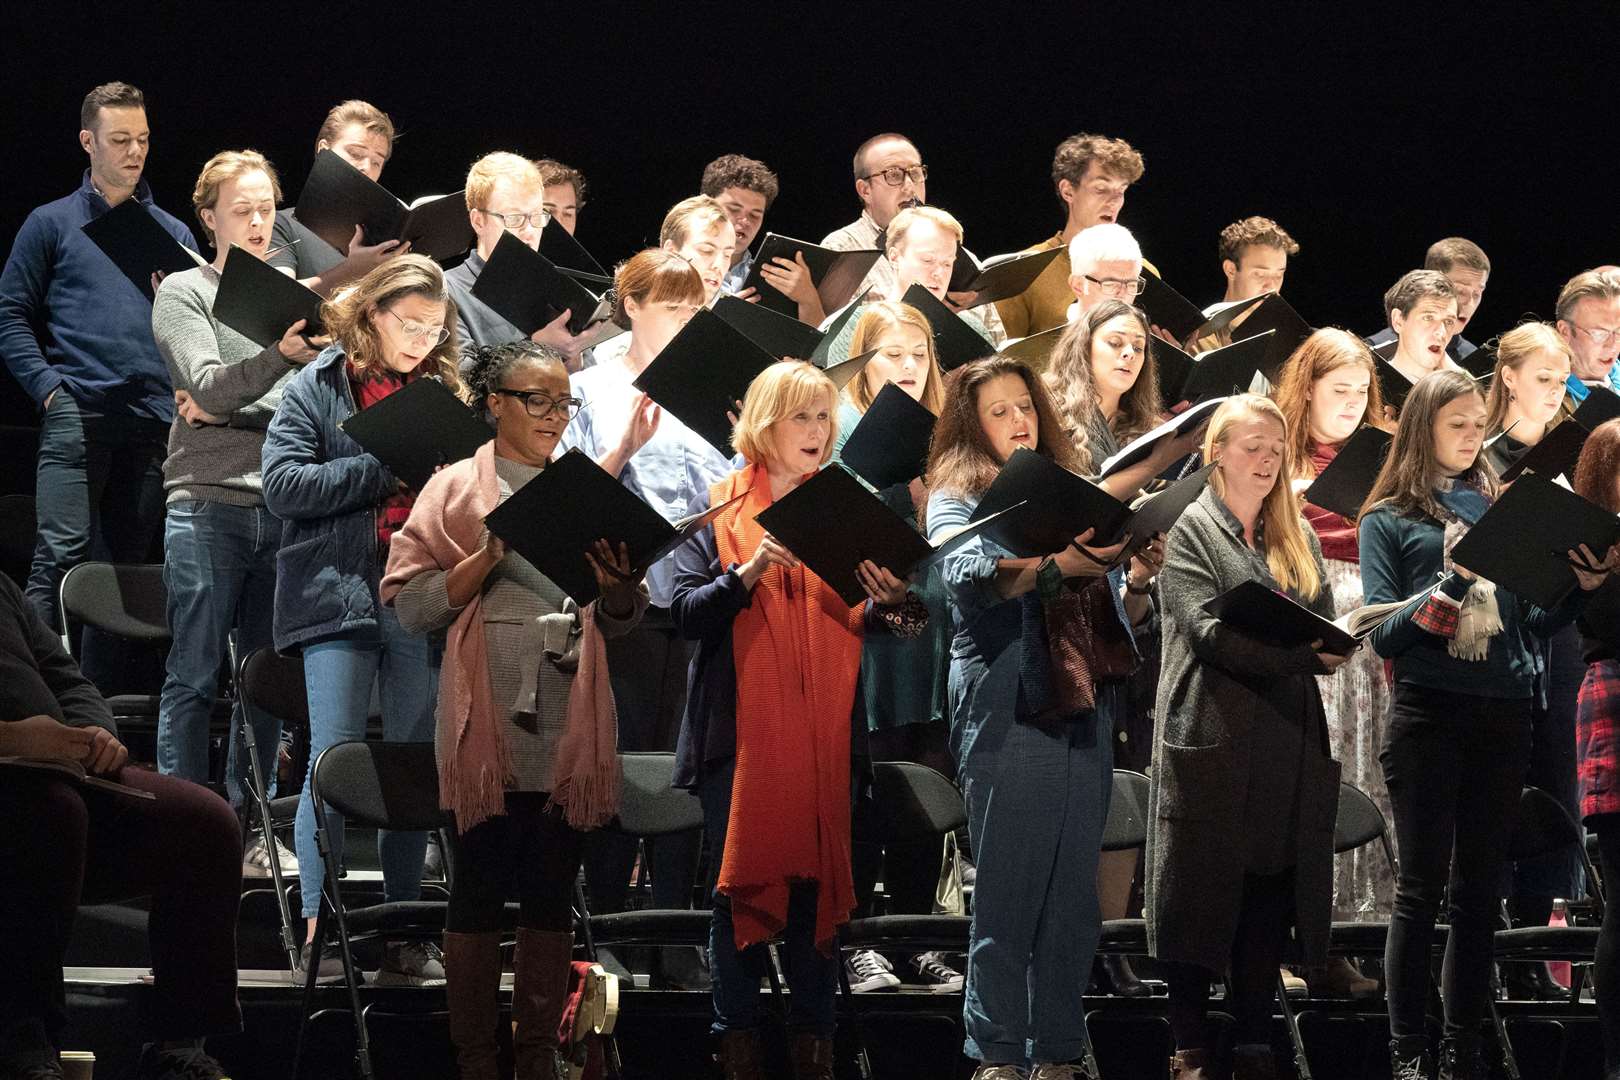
<point x="330" y="965"/>
<point x="1115" y="977"/>
<point x="1530" y="982"/>
<point x="190" y="1064"/>
<point x="1409" y="1058"/>
<point x="1461" y="1059"/>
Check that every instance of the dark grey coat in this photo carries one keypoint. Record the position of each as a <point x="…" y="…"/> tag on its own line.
<point x="1219" y="697"/>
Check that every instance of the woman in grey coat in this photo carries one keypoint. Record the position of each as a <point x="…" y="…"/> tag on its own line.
<point x="1240" y="837"/>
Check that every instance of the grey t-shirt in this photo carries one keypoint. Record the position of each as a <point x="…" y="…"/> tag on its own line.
<point x="309" y="256"/>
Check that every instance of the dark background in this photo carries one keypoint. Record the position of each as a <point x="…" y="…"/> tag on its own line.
<point x="1367" y="131"/>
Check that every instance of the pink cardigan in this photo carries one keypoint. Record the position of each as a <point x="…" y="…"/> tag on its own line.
<point x="446" y="526"/>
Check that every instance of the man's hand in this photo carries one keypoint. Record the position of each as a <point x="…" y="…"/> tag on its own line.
<point x="364" y="258"/>
<point x="193" y="413"/>
<point x="295" y="348"/>
<point x="106" y="754"/>
<point x="42" y="736"/>
<point x="961" y="301"/>
<point x="791" y="278"/>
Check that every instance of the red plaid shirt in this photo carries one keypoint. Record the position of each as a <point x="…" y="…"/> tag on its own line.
<point x="370" y="388"/>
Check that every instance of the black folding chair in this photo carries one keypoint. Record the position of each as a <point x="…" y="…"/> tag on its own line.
<point x="1125" y="830"/>
<point x="125" y="601"/>
<point x="18" y="531"/>
<point x="381" y="786"/>
<point x="1542" y="826"/>
<point x="274" y="684"/>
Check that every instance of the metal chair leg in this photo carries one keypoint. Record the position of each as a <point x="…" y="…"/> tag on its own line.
<point x="863" y="1059"/>
<point x="1301" y="1065"/>
<point x="362" y="1042"/>
<point x="1510" y="1062"/>
<point x="612" y="1064"/>
<point x="260" y="791"/>
<point x="310" y="974"/>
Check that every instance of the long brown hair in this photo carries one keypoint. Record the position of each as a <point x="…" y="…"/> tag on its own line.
<point x="1326" y="350"/>
<point x="878" y="319"/>
<point x="1599" y="467"/>
<point x="1288" y="553"/>
<point x="1074" y="391"/>
<point x="1407" y="482"/>
<point x="960" y="460"/>
<point x="347" y="315"/>
<point x="1512" y="350"/>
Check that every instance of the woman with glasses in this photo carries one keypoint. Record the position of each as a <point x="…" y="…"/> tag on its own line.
<point x="340" y="508"/>
<point x="668" y="465"/>
<point x="525" y="722"/>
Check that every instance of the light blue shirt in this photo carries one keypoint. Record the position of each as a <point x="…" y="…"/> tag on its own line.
<point x="666" y="473"/>
<point x="732" y="283"/>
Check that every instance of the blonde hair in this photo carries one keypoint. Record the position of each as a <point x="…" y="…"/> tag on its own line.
<point x="225" y="166"/>
<point x="905" y="219"/>
<point x="700" y="213"/>
<point x="1324" y="352"/>
<point x="1587" y="285"/>
<point x="347" y="315"/>
<point x="1513" y="349"/>
<point x="500" y="165"/>
<point x="875" y="321"/>
<point x="355" y="111"/>
<point x="775" y="394"/>
<point x="1288" y="553"/>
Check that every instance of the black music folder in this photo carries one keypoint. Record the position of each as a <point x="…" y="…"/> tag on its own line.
<point x="1173" y="366"/>
<point x="1521" y="543"/>
<point x="890" y="444"/>
<point x="821" y="355"/>
<point x="557" y="517"/>
<point x="831" y="523"/>
<point x="844" y="372"/>
<point x="1392" y="383"/>
<point x="701" y="375"/>
<point x="1036" y="349"/>
<point x="418" y="428"/>
<point x="1348" y="479"/>
<point x="1168" y="309"/>
<point x="955" y="342"/>
<point x="528" y="290"/>
<point x="1000" y="276"/>
<point x="1560" y="448"/>
<point x="1060" y="506"/>
<point x="1228" y="370"/>
<point x="777" y="334"/>
<point x="1278" y="619"/>
<point x="1275" y="316"/>
<point x="1141" y="447"/>
<point x="836" y="274"/>
<point x="131" y="237"/>
<point x="260" y="302"/>
<point x="570" y="256"/>
<point x="337" y="197"/>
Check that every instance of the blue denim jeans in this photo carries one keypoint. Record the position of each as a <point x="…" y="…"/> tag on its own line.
<point x="99" y="495"/>
<point x="812" y="976"/>
<point x="219" y="568"/>
<point x="339" y="675"/>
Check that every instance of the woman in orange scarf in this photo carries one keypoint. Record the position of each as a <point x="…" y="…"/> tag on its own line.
<point x="766" y="736"/>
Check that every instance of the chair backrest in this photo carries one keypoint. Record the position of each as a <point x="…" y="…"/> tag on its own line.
<point x="648" y="805"/>
<point x="125" y="600"/>
<point x="909" y="802"/>
<point x="17" y="534"/>
<point x="381" y="785"/>
<point x="1542" y="826"/>
<point x="274" y="684"/>
<point x="1359" y="820"/>
<point x="1127" y="822"/>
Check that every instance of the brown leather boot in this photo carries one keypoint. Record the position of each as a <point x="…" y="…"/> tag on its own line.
<point x="812" y="1056"/>
<point x="742" y="1055"/>
<point x="539" y="992"/>
<point x="1192" y="1065"/>
<point x="472" y="968"/>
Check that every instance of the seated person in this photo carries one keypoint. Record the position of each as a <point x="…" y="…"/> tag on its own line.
<point x="64" y="843"/>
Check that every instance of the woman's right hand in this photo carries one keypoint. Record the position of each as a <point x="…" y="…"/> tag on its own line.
<point x="1330" y="660"/>
<point x="42" y="736"/>
<point x="1080" y="560"/>
<point x="641" y="425"/>
<point x="769" y="553"/>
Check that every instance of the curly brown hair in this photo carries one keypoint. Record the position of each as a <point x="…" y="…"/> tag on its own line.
<point x="736" y="171"/>
<point x="960" y="459"/>
<point x="1074" y="154"/>
<point x="1255" y="231"/>
<point x="1598" y="467"/>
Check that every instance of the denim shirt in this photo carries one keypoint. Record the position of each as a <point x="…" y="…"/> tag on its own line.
<point x="732" y="283"/>
<point x="668" y="473"/>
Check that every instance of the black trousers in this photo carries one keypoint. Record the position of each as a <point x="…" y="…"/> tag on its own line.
<point x="1454" y="765"/>
<point x="529" y="854"/>
<point x="648" y="667"/>
<point x="1606" y="970"/>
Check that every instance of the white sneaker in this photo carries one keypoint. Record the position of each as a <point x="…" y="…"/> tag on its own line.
<point x="869" y="971"/>
<point x="411" y="963"/>
<point x="256" y="861"/>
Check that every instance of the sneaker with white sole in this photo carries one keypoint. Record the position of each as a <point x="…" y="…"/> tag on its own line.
<point x="411" y="963"/>
<point x="256" y="860"/>
<point x="329" y="967"/>
<point x="869" y="971"/>
<point x="934" y="973"/>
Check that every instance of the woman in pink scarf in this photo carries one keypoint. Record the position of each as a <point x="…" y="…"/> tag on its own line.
<point x="527" y="752"/>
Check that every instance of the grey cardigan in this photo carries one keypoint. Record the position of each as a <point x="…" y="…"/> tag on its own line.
<point x="1218" y="690"/>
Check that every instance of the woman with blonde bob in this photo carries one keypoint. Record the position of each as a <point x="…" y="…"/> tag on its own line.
<point x="1240" y="834"/>
<point x="1457" y="741"/>
<point x="766" y="737"/>
<point x="1327" y="390"/>
<point x="340" y="507"/>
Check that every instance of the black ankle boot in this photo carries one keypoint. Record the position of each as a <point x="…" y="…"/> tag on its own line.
<point x="1409" y="1058"/>
<point x="1460" y="1057"/>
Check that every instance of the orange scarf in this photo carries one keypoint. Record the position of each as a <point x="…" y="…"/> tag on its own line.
<point x="797" y="648"/>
